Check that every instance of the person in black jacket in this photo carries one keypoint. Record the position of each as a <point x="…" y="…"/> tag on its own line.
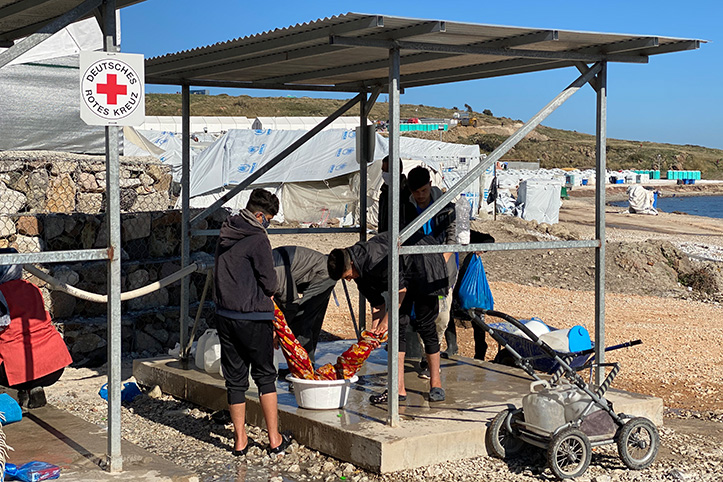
<point x="302" y="271"/>
<point x="406" y="210"/>
<point x="442" y="227"/>
<point x="422" y="278"/>
<point x="245" y="280"/>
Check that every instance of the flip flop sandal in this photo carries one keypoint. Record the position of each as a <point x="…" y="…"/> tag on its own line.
<point x="281" y="449"/>
<point x="384" y="398"/>
<point x="436" y="394"/>
<point x="240" y="453"/>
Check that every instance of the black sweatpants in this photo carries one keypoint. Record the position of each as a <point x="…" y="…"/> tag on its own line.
<point x="426" y="309"/>
<point x="44" y="381"/>
<point x="246" y="344"/>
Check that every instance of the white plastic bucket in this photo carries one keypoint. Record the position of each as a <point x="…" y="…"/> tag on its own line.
<point x="321" y="394"/>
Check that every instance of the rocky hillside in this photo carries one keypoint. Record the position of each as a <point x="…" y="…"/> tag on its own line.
<point x="552" y="147"/>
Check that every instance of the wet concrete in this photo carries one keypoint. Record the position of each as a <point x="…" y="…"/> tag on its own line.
<point x="79" y="449"/>
<point x="428" y="433"/>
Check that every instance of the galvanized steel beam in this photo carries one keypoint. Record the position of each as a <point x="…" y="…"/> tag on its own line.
<point x="473" y="248"/>
<point x="278" y="158"/>
<point x="71" y="256"/>
<point x="501" y="150"/>
<point x="393" y="259"/>
<point x="215" y="232"/>
<point x="112" y="189"/>
<point x="254" y="85"/>
<point x="600" y="168"/>
<point x="39" y="32"/>
<point x="481" y="50"/>
<point x="185" y="210"/>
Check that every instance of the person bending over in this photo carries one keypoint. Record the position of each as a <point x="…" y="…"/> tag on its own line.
<point x="422" y="278"/>
<point x="302" y="271"/>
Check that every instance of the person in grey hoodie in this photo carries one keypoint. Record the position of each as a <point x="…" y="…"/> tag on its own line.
<point x="303" y="292"/>
<point x="245" y="280"/>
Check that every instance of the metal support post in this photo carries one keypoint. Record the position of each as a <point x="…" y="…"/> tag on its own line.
<point x="185" y="210"/>
<point x="112" y="217"/>
<point x="601" y="161"/>
<point x="393" y="273"/>
<point x="501" y="150"/>
<point x="363" y="162"/>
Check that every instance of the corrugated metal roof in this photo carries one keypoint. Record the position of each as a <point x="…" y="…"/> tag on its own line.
<point x="349" y="52"/>
<point x="20" y="18"/>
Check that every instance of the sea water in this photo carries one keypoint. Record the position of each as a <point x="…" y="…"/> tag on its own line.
<point x="709" y="206"/>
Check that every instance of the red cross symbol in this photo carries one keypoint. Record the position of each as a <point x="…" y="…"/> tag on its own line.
<point x="112" y="89"/>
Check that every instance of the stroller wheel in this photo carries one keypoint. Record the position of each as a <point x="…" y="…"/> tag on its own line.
<point x="500" y="442"/>
<point x="569" y="454"/>
<point x="638" y="443"/>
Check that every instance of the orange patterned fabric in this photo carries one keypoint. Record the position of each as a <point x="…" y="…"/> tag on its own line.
<point x="346" y="366"/>
<point x="296" y="357"/>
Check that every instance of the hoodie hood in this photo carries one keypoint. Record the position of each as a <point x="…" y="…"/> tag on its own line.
<point x="238" y="227"/>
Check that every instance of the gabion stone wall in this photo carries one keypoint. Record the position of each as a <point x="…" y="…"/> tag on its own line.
<point x="55" y="202"/>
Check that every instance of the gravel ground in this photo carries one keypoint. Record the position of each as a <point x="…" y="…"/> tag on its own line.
<point x="680" y="360"/>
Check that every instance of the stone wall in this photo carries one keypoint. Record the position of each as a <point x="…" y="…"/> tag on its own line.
<point x="55" y="201"/>
<point x="150" y="243"/>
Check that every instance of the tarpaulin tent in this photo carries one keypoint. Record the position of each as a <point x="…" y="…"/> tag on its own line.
<point x="320" y="179"/>
<point x="302" y="123"/>
<point x="539" y="200"/>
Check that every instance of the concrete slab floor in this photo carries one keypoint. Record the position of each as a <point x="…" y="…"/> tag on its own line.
<point x="79" y="449"/>
<point x="428" y="433"/>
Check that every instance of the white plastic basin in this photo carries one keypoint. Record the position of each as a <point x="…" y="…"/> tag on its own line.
<point x="321" y="394"/>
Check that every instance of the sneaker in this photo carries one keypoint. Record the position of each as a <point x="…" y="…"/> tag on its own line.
<point x="424" y="374"/>
<point x="281" y="449"/>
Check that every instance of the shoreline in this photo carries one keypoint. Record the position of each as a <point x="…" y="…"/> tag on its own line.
<point x="618" y="192"/>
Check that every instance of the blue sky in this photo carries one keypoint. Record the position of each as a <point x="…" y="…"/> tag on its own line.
<point x="675" y="98"/>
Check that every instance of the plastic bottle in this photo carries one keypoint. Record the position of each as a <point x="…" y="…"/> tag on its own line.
<point x="462" y="211"/>
<point x="33" y="471"/>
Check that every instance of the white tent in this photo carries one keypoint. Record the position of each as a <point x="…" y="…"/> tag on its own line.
<point x="320" y="179"/>
<point x="539" y="200"/>
<point x="303" y="123"/>
<point x="206" y="124"/>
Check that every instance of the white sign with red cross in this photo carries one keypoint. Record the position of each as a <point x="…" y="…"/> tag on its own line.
<point x="112" y="91"/>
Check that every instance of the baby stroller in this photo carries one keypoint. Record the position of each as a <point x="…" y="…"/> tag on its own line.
<point x="565" y="415"/>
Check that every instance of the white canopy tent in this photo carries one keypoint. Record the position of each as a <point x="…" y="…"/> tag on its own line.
<point x="303" y="123"/>
<point x="320" y="180"/>
<point x="207" y="124"/>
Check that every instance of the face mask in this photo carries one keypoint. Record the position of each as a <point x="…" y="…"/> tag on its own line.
<point x="387" y="177"/>
<point x="265" y="222"/>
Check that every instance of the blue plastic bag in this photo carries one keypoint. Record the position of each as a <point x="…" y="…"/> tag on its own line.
<point x="129" y="391"/>
<point x="10" y="409"/>
<point x="474" y="292"/>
